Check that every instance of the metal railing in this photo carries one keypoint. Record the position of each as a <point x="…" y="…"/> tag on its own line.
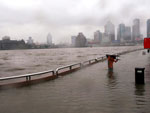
<point x="93" y="60"/>
<point x="101" y="58"/>
<point x="27" y="76"/>
<point x="85" y="63"/>
<point x="89" y="61"/>
<point x="70" y="67"/>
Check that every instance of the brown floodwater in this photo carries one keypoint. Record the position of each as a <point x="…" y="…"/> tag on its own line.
<point x="17" y="62"/>
<point x="90" y="90"/>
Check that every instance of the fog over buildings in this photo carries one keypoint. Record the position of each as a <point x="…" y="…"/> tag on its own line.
<point x="64" y="18"/>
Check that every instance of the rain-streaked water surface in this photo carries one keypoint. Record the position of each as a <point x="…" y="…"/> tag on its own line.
<point x="90" y="90"/>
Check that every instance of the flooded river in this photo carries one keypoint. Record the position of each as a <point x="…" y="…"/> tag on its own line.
<point x="90" y="90"/>
<point x="16" y="62"/>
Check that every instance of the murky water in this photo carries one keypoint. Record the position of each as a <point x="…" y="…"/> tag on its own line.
<point x="90" y="90"/>
<point x="16" y="62"/>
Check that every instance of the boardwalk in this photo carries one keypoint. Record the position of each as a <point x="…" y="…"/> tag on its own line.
<point x="90" y="90"/>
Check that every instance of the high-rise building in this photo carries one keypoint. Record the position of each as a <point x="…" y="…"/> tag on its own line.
<point x="110" y="30"/>
<point x="127" y="36"/>
<point x="136" y="29"/>
<point x="49" y="39"/>
<point x="148" y="28"/>
<point x="30" y="41"/>
<point x="121" y="32"/>
<point x="97" y="37"/>
<point x="80" y="40"/>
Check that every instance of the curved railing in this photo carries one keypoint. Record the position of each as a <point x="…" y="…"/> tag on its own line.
<point x="58" y="71"/>
<point x="70" y="67"/>
<point x="27" y="76"/>
<point x="79" y="65"/>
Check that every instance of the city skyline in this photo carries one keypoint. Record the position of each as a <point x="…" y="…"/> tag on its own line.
<point x="64" y="18"/>
<point x="113" y="33"/>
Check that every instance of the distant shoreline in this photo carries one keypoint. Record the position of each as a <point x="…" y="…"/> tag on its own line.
<point x="71" y="47"/>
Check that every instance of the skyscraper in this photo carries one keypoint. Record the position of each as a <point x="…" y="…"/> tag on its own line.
<point x="110" y="30"/>
<point x="127" y="36"/>
<point x="80" y="40"/>
<point x="148" y="28"/>
<point x="49" y="39"/>
<point x="97" y="36"/>
<point x="121" y="32"/>
<point x="136" y="29"/>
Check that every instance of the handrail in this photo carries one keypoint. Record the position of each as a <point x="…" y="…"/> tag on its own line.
<point x="56" y="72"/>
<point x="28" y="76"/>
<point x="89" y="61"/>
<point x="101" y="58"/>
<point x="67" y="66"/>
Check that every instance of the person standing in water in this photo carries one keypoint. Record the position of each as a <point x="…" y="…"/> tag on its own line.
<point x="111" y="59"/>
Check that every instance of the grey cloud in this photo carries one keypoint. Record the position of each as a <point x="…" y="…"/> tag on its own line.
<point x="65" y="17"/>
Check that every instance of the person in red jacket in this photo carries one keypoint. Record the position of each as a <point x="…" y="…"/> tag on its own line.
<point x="111" y="59"/>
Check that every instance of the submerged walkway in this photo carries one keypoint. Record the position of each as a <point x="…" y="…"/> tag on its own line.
<point x="90" y="90"/>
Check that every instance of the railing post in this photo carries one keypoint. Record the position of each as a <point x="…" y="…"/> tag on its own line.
<point x="70" y="67"/>
<point x="26" y="78"/>
<point x="57" y="72"/>
<point x="53" y="73"/>
<point x="89" y="61"/>
<point x="96" y="60"/>
<point x="29" y="78"/>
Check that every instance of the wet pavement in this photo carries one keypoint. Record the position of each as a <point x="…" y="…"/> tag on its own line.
<point x="90" y="90"/>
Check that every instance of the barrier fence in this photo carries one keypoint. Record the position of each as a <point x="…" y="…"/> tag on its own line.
<point x="27" y="76"/>
<point x="56" y="73"/>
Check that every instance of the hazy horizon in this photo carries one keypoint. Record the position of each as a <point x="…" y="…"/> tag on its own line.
<point x="65" y="18"/>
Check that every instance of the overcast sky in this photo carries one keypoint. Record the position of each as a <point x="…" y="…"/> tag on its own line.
<point x="20" y="19"/>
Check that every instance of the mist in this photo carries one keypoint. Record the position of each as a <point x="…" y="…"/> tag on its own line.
<point x="64" y="18"/>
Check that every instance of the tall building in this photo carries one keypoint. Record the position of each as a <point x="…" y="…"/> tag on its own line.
<point x="136" y="29"/>
<point x="49" y="39"/>
<point x="80" y="40"/>
<point x="148" y="28"/>
<point x="97" y="37"/>
<point x="110" y="30"/>
<point x="121" y="32"/>
<point x="128" y="34"/>
<point x="30" y="41"/>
